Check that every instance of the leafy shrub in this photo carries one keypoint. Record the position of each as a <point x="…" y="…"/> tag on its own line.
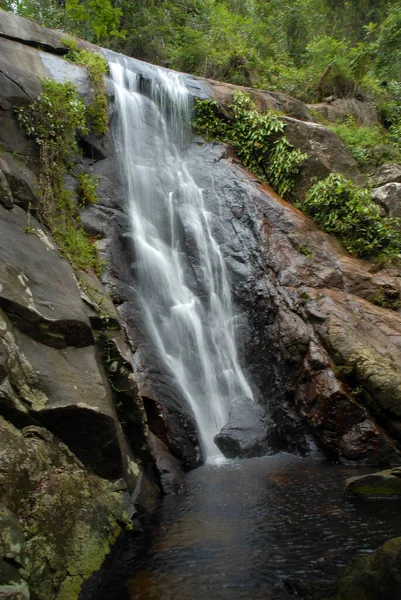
<point x="341" y="208"/>
<point x="258" y="139"/>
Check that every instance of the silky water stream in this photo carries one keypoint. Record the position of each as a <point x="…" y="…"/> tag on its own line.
<point x="237" y="529"/>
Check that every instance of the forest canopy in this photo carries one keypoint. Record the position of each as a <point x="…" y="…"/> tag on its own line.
<point x="310" y="49"/>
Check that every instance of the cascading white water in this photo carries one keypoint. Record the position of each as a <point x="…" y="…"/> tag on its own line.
<point x="191" y="324"/>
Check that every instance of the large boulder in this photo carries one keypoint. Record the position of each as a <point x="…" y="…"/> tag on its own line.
<point x="319" y="348"/>
<point x="387" y="173"/>
<point x="246" y="433"/>
<point x="60" y="520"/>
<point x="368" y="577"/>
<point x="340" y="109"/>
<point x="326" y="154"/>
<point x="389" y="197"/>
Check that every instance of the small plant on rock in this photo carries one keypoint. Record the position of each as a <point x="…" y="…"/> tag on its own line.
<point x="87" y="188"/>
<point x="96" y="67"/>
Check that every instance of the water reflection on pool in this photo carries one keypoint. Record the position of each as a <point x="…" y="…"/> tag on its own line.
<point x="238" y="529"/>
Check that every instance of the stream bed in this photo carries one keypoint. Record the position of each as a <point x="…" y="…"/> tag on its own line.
<point x="238" y="529"/>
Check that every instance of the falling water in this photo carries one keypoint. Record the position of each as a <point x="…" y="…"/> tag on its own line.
<point x="181" y="280"/>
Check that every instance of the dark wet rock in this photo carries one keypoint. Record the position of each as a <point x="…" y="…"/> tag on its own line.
<point x="297" y="287"/>
<point x="388" y="173"/>
<point x="367" y="577"/>
<point x="383" y="483"/>
<point x="389" y="197"/>
<point x="170" y="473"/>
<point x="246" y="433"/>
<point x="326" y="153"/>
<point x="6" y="197"/>
<point x="373" y="576"/>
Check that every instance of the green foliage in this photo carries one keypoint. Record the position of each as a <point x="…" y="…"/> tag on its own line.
<point x="53" y="121"/>
<point x="370" y="145"/>
<point x="96" y="67"/>
<point x="257" y="138"/>
<point x="341" y="208"/>
<point x="101" y="16"/>
<point x="87" y="186"/>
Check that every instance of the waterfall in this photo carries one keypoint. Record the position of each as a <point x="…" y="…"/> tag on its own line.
<point x="181" y="281"/>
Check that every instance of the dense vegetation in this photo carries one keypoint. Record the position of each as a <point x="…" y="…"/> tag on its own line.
<point x="280" y="44"/>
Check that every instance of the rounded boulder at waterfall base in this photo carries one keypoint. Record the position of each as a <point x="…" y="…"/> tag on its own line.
<point x="382" y="484"/>
<point x="246" y="432"/>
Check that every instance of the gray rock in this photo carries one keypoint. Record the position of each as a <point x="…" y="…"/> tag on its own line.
<point x="21" y="181"/>
<point x="387" y="173"/>
<point x="340" y="108"/>
<point x="389" y="197"/>
<point x="6" y="197"/>
<point x="246" y="433"/>
<point x="44" y="302"/>
<point x="67" y="391"/>
<point x="32" y="34"/>
<point x="326" y="153"/>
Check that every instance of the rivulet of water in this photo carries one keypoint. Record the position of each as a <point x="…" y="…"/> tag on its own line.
<point x="181" y="281"/>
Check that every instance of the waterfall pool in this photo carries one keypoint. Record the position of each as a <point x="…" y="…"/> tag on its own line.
<point x="237" y="530"/>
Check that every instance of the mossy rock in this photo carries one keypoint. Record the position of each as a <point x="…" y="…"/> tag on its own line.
<point x="373" y="577"/>
<point x="381" y="484"/>
<point x="69" y="517"/>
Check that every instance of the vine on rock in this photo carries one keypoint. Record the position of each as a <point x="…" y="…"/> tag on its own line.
<point x="53" y="121"/>
<point x="257" y="138"/>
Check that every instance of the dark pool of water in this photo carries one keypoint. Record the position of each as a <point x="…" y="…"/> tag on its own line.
<point x="237" y="530"/>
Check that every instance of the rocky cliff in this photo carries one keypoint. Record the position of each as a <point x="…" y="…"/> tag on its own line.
<point x="90" y="429"/>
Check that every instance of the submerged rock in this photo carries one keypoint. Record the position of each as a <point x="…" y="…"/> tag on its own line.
<point x="383" y="483"/>
<point x="246" y="433"/>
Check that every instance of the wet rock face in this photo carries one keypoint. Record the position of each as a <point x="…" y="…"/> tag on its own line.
<point x="305" y="306"/>
<point x="246" y="433"/>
